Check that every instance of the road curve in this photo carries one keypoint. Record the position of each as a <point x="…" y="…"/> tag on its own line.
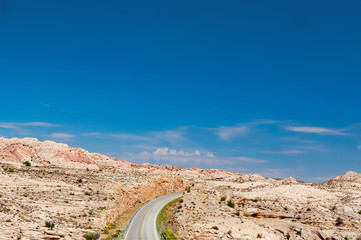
<point x="143" y="225"/>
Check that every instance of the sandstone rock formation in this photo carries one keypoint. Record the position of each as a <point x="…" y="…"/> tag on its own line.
<point x="68" y="192"/>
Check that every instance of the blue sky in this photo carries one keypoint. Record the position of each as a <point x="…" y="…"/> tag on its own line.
<point x="270" y="87"/>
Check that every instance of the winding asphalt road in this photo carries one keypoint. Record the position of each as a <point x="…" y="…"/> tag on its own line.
<point x="143" y="225"/>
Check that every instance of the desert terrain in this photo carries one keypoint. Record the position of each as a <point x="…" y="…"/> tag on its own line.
<point x="51" y="191"/>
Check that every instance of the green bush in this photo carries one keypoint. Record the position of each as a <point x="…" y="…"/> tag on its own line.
<point x="188" y="189"/>
<point x="339" y="221"/>
<point x="49" y="225"/>
<point x="89" y="236"/>
<point x="223" y="198"/>
<point x="112" y="226"/>
<point x="116" y="234"/>
<point x="27" y="163"/>
<point x="230" y="203"/>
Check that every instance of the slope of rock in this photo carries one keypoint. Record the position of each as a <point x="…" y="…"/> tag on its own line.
<point x="50" y="153"/>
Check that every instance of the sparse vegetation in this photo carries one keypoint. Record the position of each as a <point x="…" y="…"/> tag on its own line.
<point x="223" y="199"/>
<point x="164" y="219"/>
<point x="27" y="163"/>
<point x="339" y="221"/>
<point x="50" y="225"/>
<point x="89" y="236"/>
<point x="230" y="203"/>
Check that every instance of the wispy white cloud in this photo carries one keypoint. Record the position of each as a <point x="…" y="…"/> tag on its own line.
<point x="228" y="133"/>
<point x="318" y="130"/>
<point x="245" y="159"/>
<point x="172" y="152"/>
<point x="13" y="125"/>
<point x="132" y="137"/>
<point x="171" y="136"/>
<point x="291" y="152"/>
<point x="62" y="136"/>
<point x="172" y="156"/>
<point x="155" y="137"/>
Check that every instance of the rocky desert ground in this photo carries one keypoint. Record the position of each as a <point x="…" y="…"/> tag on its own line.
<point x="271" y="209"/>
<point x="51" y="191"/>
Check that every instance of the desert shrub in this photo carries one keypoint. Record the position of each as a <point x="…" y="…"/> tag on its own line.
<point x="11" y="170"/>
<point x="229" y="232"/>
<point x="230" y="203"/>
<point x="117" y="233"/>
<point x="188" y="189"/>
<point x="89" y="236"/>
<point x="50" y="225"/>
<point x="223" y="198"/>
<point x="27" y="163"/>
<point x="80" y="180"/>
<point x="215" y="227"/>
<point x="359" y="212"/>
<point x="112" y="226"/>
<point x="339" y="221"/>
<point x="25" y="195"/>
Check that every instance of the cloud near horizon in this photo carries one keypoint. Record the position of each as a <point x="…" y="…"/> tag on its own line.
<point x="228" y="133"/>
<point x="62" y="136"/>
<point x="285" y="152"/>
<point x="183" y="157"/>
<point x="14" y="125"/>
<point x="318" y="130"/>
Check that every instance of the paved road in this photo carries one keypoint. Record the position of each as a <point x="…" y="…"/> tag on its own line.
<point x="143" y="225"/>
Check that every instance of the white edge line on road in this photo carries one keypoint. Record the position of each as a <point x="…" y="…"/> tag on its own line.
<point x="155" y="226"/>
<point x="131" y="221"/>
<point x="157" y="235"/>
